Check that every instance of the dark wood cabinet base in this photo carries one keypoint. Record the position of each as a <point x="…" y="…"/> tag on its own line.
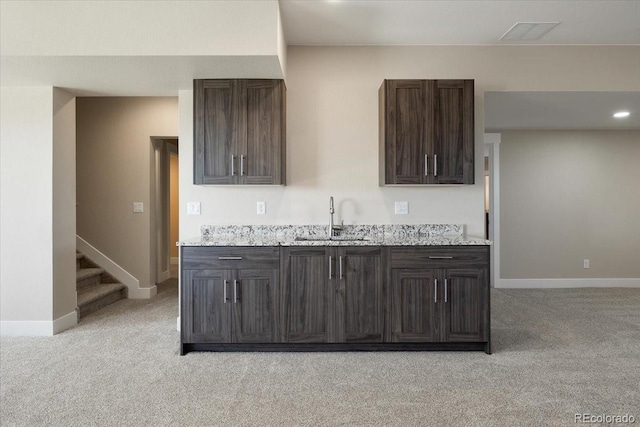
<point x="302" y="347"/>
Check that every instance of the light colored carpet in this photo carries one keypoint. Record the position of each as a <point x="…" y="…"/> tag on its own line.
<point x="556" y="353"/>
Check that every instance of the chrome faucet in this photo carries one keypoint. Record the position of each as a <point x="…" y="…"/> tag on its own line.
<point x="334" y="230"/>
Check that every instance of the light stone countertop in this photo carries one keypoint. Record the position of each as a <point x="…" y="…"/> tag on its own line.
<point x="351" y="235"/>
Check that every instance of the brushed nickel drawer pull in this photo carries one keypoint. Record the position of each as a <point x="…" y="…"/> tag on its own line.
<point x="440" y="257"/>
<point x="235" y="291"/>
<point x="233" y="165"/>
<point x="226" y="282"/>
<point x="435" y="290"/>
<point x="229" y="258"/>
<point x="426" y="165"/>
<point x="340" y="268"/>
<point x="330" y="269"/>
<point x="242" y="165"/>
<point x="435" y="165"/>
<point x="445" y="290"/>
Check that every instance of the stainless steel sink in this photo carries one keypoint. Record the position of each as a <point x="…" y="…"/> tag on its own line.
<point x="333" y="239"/>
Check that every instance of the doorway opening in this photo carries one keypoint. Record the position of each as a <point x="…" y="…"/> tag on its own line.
<point x="165" y="218"/>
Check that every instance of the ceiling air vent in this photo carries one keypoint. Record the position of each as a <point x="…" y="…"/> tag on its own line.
<point x="528" y="31"/>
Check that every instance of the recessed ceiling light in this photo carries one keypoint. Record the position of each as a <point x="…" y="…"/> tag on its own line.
<point x="621" y="114"/>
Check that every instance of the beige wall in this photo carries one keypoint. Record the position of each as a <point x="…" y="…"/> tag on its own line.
<point x="566" y="196"/>
<point x="37" y="211"/>
<point x="64" y="203"/>
<point x="114" y="170"/>
<point x="26" y="267"/>
<point x="332" y="130"/>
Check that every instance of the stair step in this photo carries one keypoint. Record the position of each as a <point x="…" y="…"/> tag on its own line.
<point x="79" y="258"/>
<point x="93" y="298"/>
<point x="87" y="277"/>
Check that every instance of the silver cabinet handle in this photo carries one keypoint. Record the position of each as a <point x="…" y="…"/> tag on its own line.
<point x="235" y="291"/>
<point x="229" y="258"/>
<point x="445" y="290"/>
<point x="233" y="165"/>
<point x="330" y="269"/>
<point x="435" y="165"/>
<point x="241" y="164"/>
<point x="226" y="283"/>
<point x="435" y="290"/>
<point x="340" y="268"/>
<point x="426" y="165"/>
<point x="440" y="257"/>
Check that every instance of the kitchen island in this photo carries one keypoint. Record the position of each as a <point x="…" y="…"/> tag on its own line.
<point x="373" y="287"/>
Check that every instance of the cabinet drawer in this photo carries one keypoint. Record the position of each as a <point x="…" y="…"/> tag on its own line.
<point x="229" y="257"/>
<point x="439" y="256"/>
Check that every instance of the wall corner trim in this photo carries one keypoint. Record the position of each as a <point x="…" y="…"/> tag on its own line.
<point x="143" y="293"/>
<point x="38" y="328"/>
<point x="132" y="284"/>
<point x="568" y="283"/>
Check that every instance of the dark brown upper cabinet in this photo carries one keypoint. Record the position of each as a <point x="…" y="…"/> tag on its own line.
<point x="239" y="131"/>
<point x="426" y="132"/>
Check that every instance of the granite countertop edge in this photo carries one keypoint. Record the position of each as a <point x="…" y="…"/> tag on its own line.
<point x="417" y="241"/>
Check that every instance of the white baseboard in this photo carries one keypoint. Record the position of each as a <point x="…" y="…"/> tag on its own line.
<point x="132" y="284"/>
<point x="38" y="328"/>
<point x="65" y="322"/>
<point x="174" y="260"/>
<point x="567" y="283"/>
<point x="143" y="293"/>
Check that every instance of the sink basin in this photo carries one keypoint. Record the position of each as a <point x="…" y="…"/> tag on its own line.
<point x="333" y="239"/>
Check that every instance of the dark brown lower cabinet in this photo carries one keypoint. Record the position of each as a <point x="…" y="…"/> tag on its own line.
<point x="308" y="301"/>
<point x="332" y="295"/>
<point x="434" y="301"/>
<point x="316" y="298"/>
<point x="234" y="305"/>
<point x="415" y="317"/>
<point x="359" y="294"/>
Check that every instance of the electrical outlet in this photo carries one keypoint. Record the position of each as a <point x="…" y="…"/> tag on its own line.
<point x="193" y="208"/>
<point x="402" y="208"/>
<point x="586" y="263"/>
<point x="261" y="208"/>
<point x="138" y="207"/>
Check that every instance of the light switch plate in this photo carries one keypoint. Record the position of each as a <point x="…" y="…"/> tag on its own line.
<point x="138" y="207"/>
<point x="193" y="208"/>
<point x="402" y="208"/>
<point x="261" y="208"/>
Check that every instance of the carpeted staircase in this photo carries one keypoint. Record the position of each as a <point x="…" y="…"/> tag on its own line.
<point x="96" y="289"/>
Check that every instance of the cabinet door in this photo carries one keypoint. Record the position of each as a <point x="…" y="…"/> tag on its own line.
<point x="307" y="300"/>
<point x="414" y="312"/>
<point x="254" y="297"/>
<point x="405" y="110"/>
<point x="466" y="313"/>
<point x="359" y="313"/>
<point x="206" y="314"/>
<point x="261" y="148"/>
<point x="453" y="142"/>
<point x="216" y="124"/>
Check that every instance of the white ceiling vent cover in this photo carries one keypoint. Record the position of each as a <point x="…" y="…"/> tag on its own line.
<point x="528" y="31"/>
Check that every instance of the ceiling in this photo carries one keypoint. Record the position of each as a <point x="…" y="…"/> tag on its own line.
<point x="560" y="110"/>
<point x="457" y="22"/>
<point x="376" y="22"/>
